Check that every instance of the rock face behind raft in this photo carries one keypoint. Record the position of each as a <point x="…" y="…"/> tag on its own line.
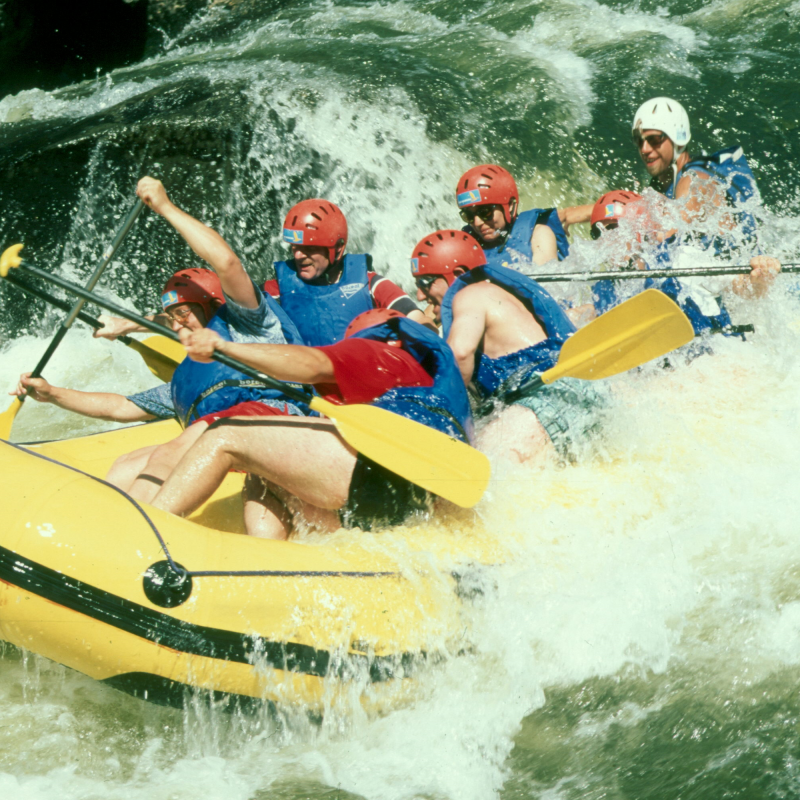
<point x="51" y="43"/>
<point x="46" y="44"/>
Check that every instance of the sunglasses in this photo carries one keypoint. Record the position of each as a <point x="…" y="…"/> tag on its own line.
<point x="598" y="228"/>
<point x="654" y="140"/>
<point x="425" y="282"/>
<point x="179" y="314"/>
<point x="485" y="212"/>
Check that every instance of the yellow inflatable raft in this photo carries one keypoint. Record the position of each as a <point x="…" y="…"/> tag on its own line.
<point x="153" y="604"/>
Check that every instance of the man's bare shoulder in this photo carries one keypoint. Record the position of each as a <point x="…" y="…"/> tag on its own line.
<point x="479" y="294"/>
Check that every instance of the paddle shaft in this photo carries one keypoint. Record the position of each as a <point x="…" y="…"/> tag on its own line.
<point x="76" y="308"/>
<point x="62" y="304"/>
<point x="91" y="297"/>
<point x="651" y="273"/>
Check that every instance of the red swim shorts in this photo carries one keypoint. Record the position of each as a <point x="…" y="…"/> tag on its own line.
<point x="252" y="408"/>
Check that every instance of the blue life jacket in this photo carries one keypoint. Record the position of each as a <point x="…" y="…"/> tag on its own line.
<point x="200" y="389"/>
<point x="516" y="247"/>
<point x="730" y="168"/>
<point x="443" y="406"/>
<point x="322" y="313"/>
<point x="493" y="373"/>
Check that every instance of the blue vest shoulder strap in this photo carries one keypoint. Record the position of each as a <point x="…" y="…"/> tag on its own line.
<point x="323" y="312"/>
<point x="730" y="167"/>
<point x="443" y="406"/>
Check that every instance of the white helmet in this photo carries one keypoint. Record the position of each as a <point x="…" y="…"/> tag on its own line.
<point x="665" y="115"/>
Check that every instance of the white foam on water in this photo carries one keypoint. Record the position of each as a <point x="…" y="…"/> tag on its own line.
<point x="80" y="362"/>
<point x="588" y="23"/>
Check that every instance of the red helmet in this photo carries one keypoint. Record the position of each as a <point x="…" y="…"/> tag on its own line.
<point x="613" y="206"/>
<point x="319" y="223"/>
<point x="488" y="183"/>
<point x="193" y="285"/>
<point x="442" y="252"/>
<point x="368" y="319"/>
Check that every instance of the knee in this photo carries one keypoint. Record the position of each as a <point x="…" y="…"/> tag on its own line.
<point x="220" y="441"/>
<point x="121" y="462"/>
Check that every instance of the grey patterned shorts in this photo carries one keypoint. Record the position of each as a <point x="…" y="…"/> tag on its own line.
<point x="571" y="411"/>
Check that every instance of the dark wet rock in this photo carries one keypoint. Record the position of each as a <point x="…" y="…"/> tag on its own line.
<point x="50" y="43"/>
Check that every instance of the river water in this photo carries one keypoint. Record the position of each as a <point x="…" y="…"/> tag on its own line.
<point x="642" y="641"/>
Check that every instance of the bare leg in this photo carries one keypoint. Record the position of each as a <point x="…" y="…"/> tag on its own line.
<point x="272" y="513"/>
<point x="162" y="461"/>
<point x="518" y="436"/>
<point x="265" y="515"/>
<point x="124" y="470"/>
<point x="306" y="458"/>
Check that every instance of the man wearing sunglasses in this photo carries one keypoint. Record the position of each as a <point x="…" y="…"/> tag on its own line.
<point x="488" y="202"/>
<point x="715" y="189"/>
<point x="503" y="328"/>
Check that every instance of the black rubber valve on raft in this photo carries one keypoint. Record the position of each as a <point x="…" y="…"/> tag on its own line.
<point x="165" y="586"/>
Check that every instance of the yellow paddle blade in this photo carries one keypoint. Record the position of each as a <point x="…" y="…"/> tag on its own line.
<point x="161" y="355"/>
<point x="7" y="418"/>
<point x="428" y="458"/>
<point x="168" y="348"/>
<point x="645" y="327"/>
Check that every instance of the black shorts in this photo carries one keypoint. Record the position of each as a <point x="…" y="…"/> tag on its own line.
<point x="378" y="498"/>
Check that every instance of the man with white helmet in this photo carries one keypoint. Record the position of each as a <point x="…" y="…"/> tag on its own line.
<point x="711" y="185"/>
<point x="724" y="180"/>
<point x="713" y="192"/>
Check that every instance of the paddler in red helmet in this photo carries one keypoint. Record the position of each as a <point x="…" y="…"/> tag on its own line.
<point x="701" y="299"/>
<point x="224" y="300"/>
<point x="504" y="328"/>
<point x="322" y="287"/>
<point x="488" y="201"/>
<point x="307" y="469"/>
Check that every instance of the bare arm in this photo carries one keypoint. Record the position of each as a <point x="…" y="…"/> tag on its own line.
<point x="100" y="405"/>
<point x="575" y="214"/>
<point x="286" y="362"/>
<point x="423" y="319"/>
<point x="117" y="326"/>
<point x="466" y="333"/>
<point x="205" y="242"/>
<point x="543" y="244"/>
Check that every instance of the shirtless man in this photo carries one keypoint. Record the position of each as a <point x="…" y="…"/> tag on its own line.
<point x="306" y="466"/>
<point x="503" y="328"/>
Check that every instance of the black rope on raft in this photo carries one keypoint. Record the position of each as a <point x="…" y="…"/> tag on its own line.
<point x="209" y="573"/>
